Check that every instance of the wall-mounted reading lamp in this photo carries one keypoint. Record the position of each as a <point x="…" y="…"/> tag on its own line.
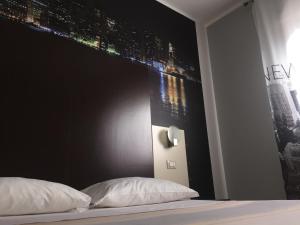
<point x="173" y="136"/>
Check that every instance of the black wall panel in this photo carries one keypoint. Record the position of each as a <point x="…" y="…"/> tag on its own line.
<point x="65" y="116"/>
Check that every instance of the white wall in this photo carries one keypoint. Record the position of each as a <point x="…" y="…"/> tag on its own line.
<point x="249" y="149"/>
<point x="216" y="155"/>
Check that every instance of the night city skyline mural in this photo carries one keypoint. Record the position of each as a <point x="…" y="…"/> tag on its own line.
<point x="88" y="23"/>
<point x="144" y="33"/>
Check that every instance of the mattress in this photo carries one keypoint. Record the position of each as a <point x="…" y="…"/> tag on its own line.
<point x="190" y="212"/>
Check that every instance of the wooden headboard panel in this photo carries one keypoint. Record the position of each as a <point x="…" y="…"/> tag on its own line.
<point x="68" y="113"/>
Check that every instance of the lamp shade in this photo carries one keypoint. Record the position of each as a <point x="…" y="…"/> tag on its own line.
<point x="173" y="135"/>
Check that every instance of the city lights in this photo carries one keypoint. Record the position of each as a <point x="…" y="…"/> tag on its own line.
<point x="73" y="19"/>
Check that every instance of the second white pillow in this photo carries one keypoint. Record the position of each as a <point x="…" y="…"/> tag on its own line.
<point x="137" y="191"/>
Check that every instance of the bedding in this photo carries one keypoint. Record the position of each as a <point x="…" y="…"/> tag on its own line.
<point x="19" y="196"/>
<point x="132" y="191"/>
<point x="190" y="212"/>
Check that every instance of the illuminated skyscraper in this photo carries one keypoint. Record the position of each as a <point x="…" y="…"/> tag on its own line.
<point x="148" y="46"/>
<point x="161" y="51"/>
<point x="40" y="12"/>
<point x="29" y="18"/>
<point x="282" y="102"/>
<point x="59" y="16"/>
<point x="14" y="9"/>
<point x="171" y="55"/>
<point x="133" y="45"/>
<point x="295" y="99"/>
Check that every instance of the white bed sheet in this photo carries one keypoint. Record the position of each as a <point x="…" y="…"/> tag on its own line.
<point x="176" y="213"/>
<point x="104" y="212"/>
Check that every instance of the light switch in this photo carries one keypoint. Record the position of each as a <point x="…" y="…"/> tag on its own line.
<point x="171" y="164"/>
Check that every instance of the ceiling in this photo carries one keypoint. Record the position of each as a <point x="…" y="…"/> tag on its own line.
<point x="204" y="11"/>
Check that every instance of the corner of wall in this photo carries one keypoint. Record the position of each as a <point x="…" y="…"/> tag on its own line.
<point x="216" y="156"/>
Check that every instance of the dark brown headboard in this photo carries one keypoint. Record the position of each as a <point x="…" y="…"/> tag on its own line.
<point x="69" y="114"/>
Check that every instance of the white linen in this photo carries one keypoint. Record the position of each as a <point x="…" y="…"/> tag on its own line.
<point x="137" y="191"/>
<point x="190" y="212"/>
<point x="19" y="196"/>
<point x="102" y="212"/>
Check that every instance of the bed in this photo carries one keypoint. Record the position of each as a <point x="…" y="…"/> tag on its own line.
<point x="181" y="212"/>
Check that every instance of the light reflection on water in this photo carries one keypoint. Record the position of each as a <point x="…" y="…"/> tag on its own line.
<point x="173" y="95"/>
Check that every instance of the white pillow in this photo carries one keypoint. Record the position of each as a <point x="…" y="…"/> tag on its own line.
<point x="137" y="191"/>
<point x="19" y="196"/>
